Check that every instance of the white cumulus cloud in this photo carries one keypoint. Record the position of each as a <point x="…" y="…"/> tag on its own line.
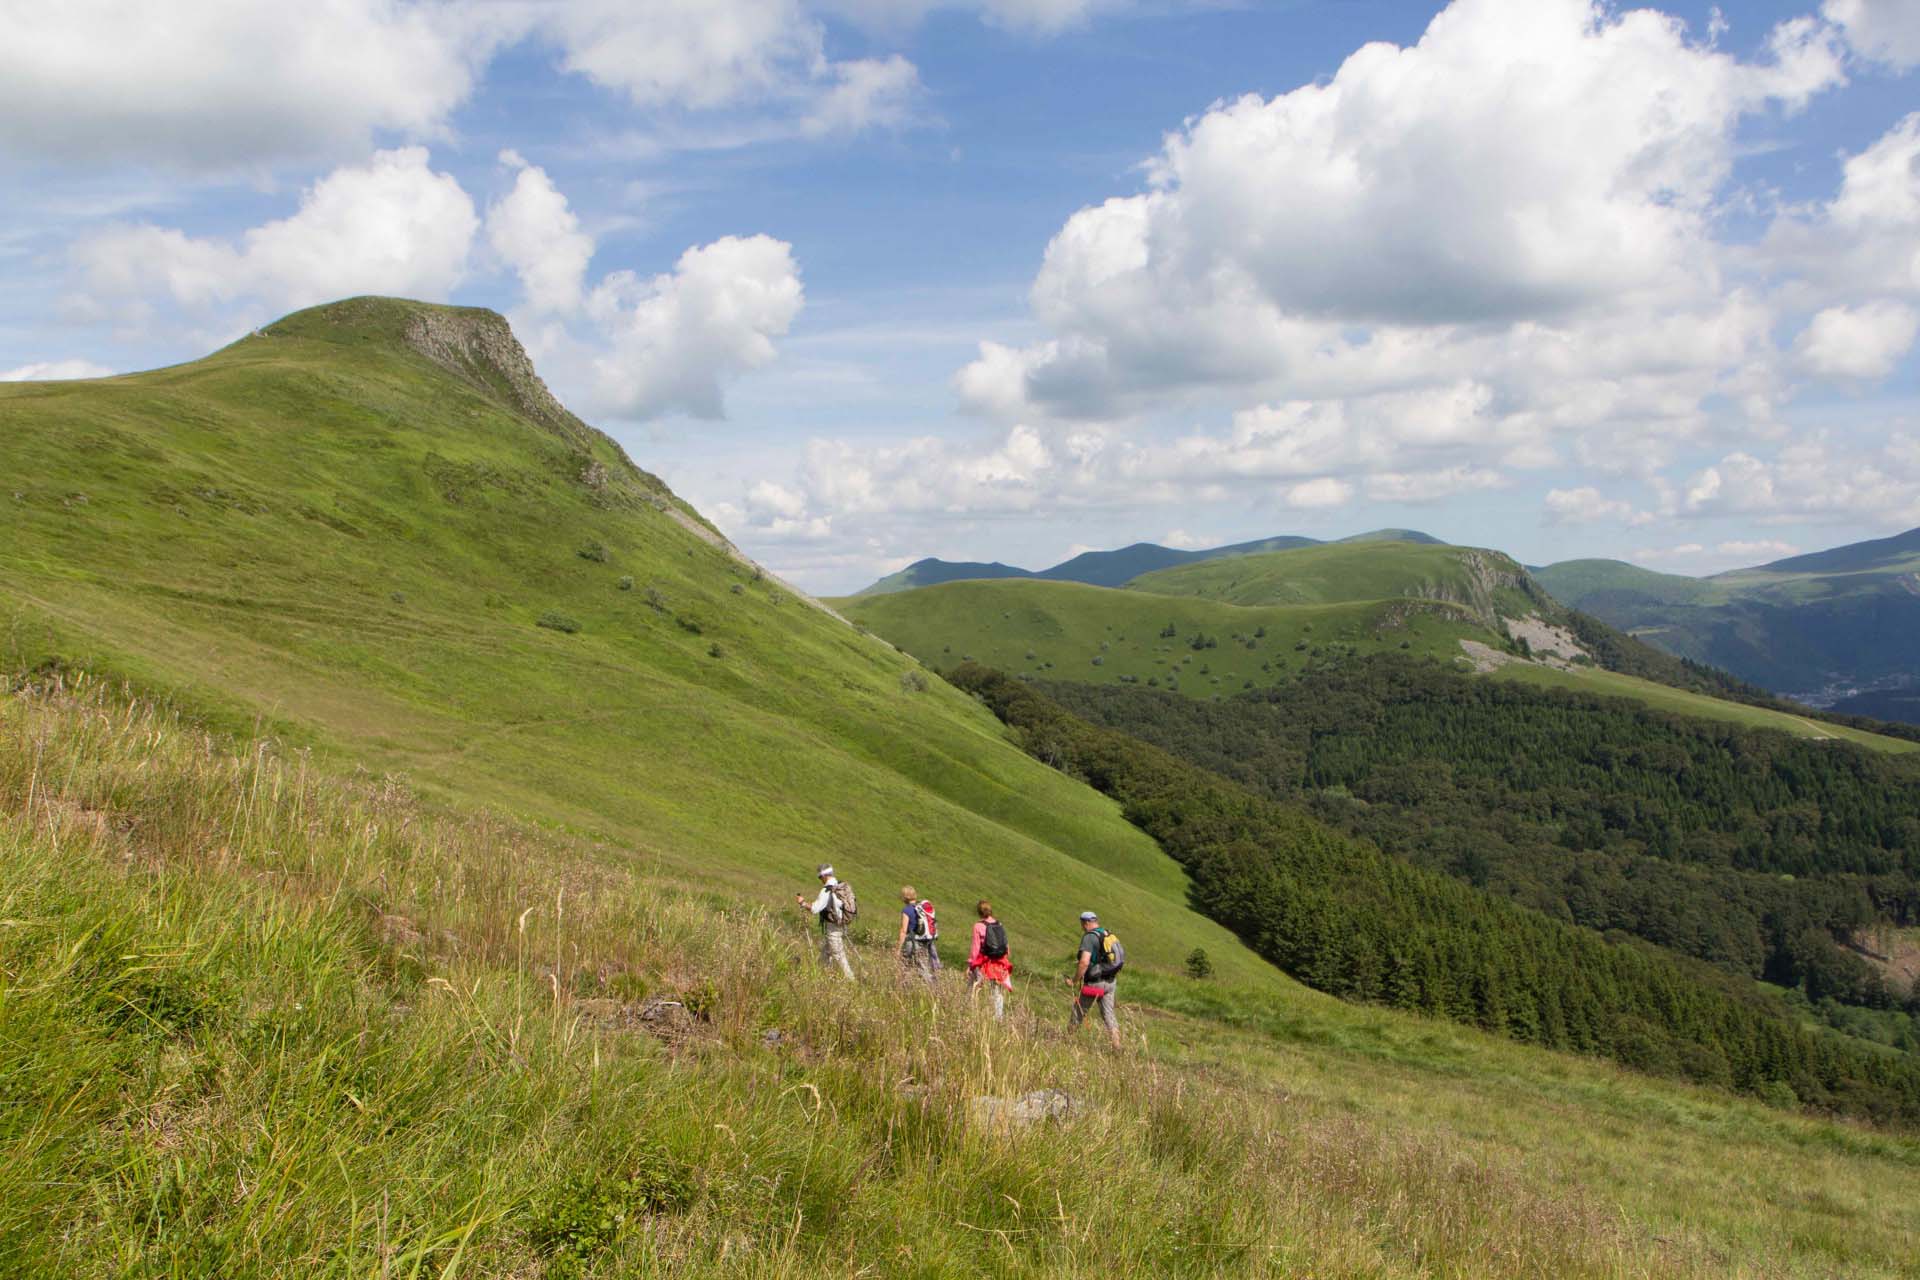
<point x="1528" y="162"/>
<point x="675" y="340"/>
<point x="1861" y="343"/>
<point x="1880" y="30"/>
<point x="392" y="225"/>
<point x="535" y="232"/>
<point x="225" y="82"/>
<point x="55" y="371"/>
<point x="1586" y="505"/>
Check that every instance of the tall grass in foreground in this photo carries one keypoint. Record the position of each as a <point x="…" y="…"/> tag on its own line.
<point x="255" y="1021"/>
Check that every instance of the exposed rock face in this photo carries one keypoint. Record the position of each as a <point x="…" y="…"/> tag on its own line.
<point x="1486" y="572"/>
<point x="478" y="347"/>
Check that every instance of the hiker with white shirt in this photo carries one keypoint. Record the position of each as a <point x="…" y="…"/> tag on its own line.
<point x="835" y="906"/>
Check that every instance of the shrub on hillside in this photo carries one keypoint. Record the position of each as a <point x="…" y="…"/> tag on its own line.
<point x="556" y="622"/>
<point x="626" y="583"/>
<point x="593" y="551"/>
<point x="913" y="682"/>
<point x="1198" y="965"/>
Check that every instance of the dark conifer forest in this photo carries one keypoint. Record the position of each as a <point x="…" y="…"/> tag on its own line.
<point x="1342" y="915"/>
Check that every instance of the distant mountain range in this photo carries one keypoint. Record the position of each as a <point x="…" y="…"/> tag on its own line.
<point x="1838" y="629"/>
<point x="1111" y="568"/>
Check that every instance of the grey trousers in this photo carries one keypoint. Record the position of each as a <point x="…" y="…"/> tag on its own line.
<point x="1084" y="1002"/>
<point x="920" y="957"/>
<point x="833" y="950"/>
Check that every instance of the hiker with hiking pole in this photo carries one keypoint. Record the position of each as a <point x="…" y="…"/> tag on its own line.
<point x="1101" y="958"/>
<point x="988" y="964"/>
<point x="836" y="907"/>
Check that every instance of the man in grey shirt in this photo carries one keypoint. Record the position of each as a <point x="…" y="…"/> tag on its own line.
<point x="1092" y="985"/>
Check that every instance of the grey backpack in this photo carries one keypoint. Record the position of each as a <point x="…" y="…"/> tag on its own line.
<point x="842" y="907"/>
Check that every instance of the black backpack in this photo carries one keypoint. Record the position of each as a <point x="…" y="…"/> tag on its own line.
<point x="993" y="944"/>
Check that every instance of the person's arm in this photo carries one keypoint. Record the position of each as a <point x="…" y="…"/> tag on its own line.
<point x="979" y="936"/>
<point x="902" y="942"/>
<point x="1080" y="971"/>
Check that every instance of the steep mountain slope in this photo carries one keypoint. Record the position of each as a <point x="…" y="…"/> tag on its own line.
<point x="370" y="529"/>
<point x="1821" y="627"/>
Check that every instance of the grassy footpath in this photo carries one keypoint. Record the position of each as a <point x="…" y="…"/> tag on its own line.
<point x="257" y="1021"/>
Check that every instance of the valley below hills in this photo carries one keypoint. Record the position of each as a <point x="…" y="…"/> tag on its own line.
<point x="403" y="794"/>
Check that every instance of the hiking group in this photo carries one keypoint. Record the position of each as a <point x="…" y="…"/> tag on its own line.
<point x="989" y="966"/>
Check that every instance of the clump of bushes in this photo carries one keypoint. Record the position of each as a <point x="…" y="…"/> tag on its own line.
<point x="626" y="583"/>
<point x="589" y="1209"/>
<point x="593" y="551"/>
<point x="913" y="682"/>
<point x="715" y="651"/>
<point x="553" y="621"/>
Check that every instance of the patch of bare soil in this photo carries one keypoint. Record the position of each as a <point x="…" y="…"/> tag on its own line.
<point x="1485" y="657"/>
<point x="1895" y="952"/>
<point x="1551" y="645"/>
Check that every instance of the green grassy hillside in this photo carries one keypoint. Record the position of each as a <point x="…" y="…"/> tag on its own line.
<point x="260" y="1022"/>
<point x="1575" y="581"/>
<point x="1070" y="631"/>
<point x="1067" y="631"/>
<point x="1486" y="582"/>
<point x="370" y="530"/>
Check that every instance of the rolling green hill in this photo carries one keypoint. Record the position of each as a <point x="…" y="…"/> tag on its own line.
<point x="1823" y="627"/>
<point x="371" y="529"/>
<point x="931" y="573"/>
<point x="1347" y="600"/>
<point x="1487" y="583"/>
<point x="1070" y="631"/>
<point x="1110" y="568"/>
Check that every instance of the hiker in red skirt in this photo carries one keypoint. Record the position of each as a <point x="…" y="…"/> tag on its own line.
<point x="988" y="964"/>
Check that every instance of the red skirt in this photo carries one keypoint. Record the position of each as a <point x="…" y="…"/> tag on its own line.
<point x="995" y="970"/>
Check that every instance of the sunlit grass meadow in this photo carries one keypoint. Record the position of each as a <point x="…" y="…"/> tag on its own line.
<point x="258" y="1020"/>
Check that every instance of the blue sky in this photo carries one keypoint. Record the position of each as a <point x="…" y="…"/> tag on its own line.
<point x="1559" y="278"/>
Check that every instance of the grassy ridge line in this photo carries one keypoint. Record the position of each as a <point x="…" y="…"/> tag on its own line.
<point x="1056" y="631"/>
<point x="255" y="1021"/>
<point x="1071" y="631"/>
<point x="1347" y="919"/>
<point x="1348" y="572"/>
<point x="331" y="536"/>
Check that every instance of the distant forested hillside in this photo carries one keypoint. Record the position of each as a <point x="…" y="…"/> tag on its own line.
<point x="1758" y="852"/>
<point x="1353" y="921"/>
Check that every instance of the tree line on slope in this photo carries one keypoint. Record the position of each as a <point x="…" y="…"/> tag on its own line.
<point x="1351" y="920"/>
<point x="1758" y="852"/>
